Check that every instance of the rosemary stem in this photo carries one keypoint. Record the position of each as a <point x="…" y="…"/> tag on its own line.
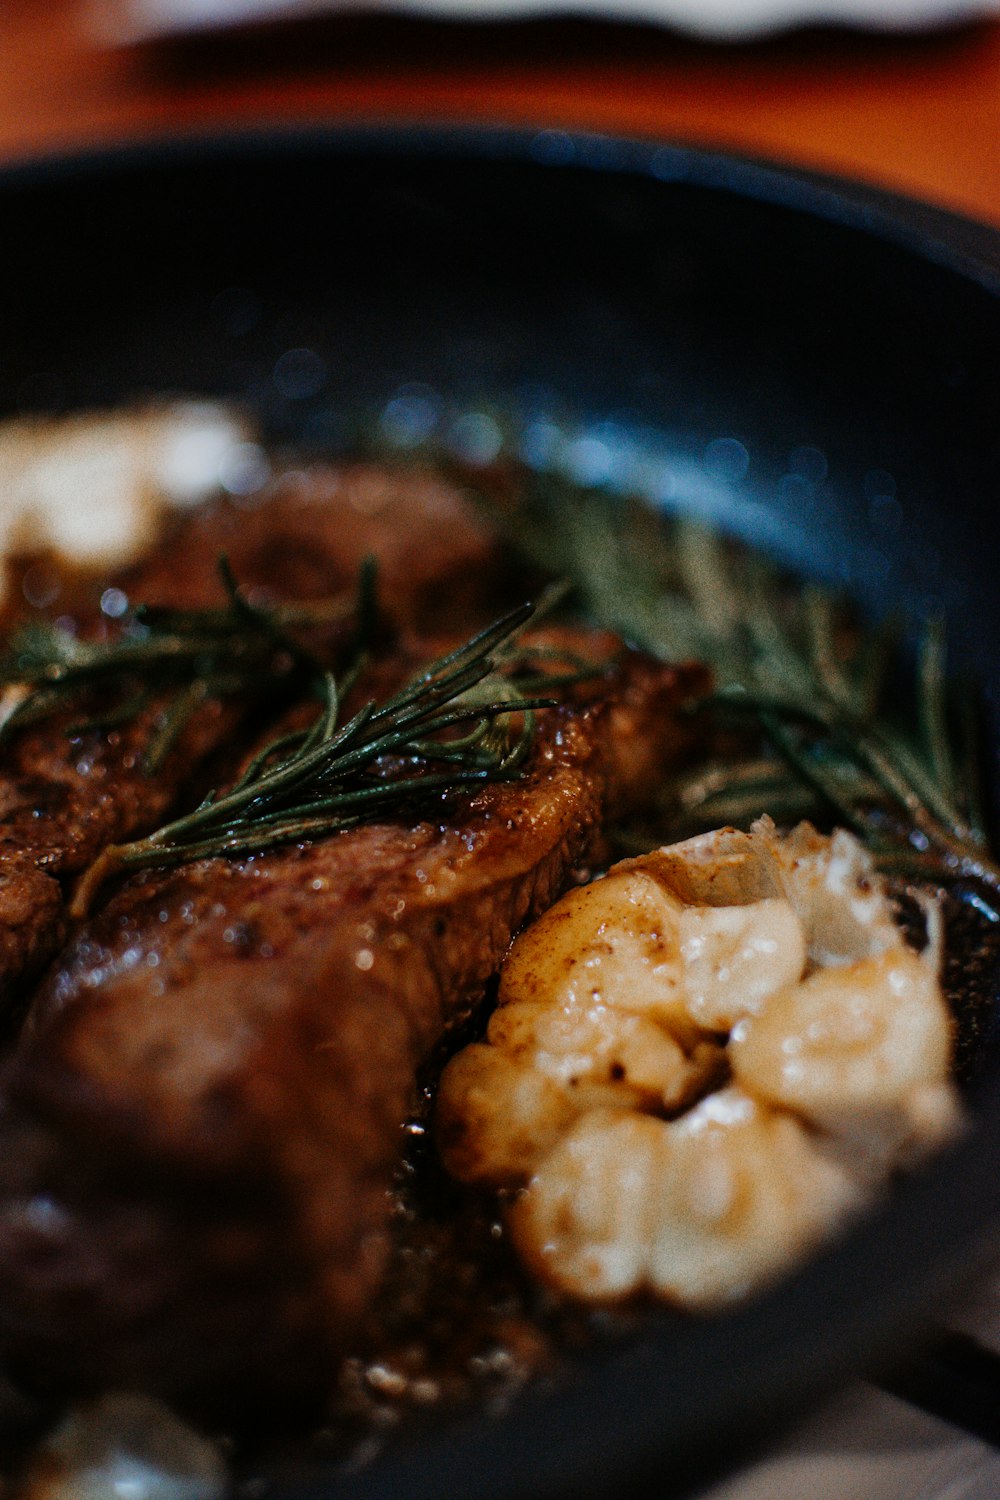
<point x="110" y="862"/>
<point x="970" y="729"/>
<point x="932" y="705"/>
<point x="806" y="769"/>
<point x="316" y="781"/>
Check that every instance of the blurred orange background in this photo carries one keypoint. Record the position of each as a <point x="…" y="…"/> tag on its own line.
<point x="917" y="113"/>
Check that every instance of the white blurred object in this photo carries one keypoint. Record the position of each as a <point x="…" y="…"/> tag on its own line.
<point x="122" y="22"/>
<point x="91" y="487"/>
<point x="125" y="1447"/>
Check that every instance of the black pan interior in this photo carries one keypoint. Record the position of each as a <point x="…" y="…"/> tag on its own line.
<point x="818" y="365"/>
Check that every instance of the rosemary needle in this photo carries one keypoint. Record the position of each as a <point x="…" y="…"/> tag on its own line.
<point x="174" y="658"/>
<point x="332" y="776"/>
<point x="787" y="669"/>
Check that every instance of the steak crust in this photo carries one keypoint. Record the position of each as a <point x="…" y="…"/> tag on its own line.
<point x="201" y="1121"/>
<point x="64" y="797"/>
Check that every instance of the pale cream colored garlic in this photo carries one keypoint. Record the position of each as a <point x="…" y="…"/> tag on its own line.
<point x="700" y="1210"/>
<point x="772" y="961"/>
<point x="861" y="1052"/>
<point x="735" y="956"/>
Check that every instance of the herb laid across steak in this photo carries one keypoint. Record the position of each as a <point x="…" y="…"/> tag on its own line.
<point x="66" y="791"/>
<point x="198" y="1130"/>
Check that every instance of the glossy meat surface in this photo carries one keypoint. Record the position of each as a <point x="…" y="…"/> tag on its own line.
<point x="200" y="1123"/>
<point x="64" y="796"/>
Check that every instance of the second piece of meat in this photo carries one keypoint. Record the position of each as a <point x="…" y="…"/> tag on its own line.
<point x="66" y="792"/>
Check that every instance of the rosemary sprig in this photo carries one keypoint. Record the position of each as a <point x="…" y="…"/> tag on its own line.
<point x="314" y="782"/>
<point x="787" y="666"/>
<point x="174" y="658"/>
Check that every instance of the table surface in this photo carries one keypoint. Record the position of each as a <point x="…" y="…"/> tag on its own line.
<point x="918" y="113"/>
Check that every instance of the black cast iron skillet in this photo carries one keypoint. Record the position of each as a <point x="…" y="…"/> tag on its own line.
<point x="693" y="298"/>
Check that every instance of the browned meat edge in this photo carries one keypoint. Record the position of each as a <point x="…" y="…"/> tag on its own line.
<point x="63" y="799"/>
<point x="199" y="1130"/>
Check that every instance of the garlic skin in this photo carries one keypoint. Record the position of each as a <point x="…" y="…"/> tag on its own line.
<point x="703" y="1065"/>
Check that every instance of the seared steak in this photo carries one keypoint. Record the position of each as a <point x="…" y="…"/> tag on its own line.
<point x="199" y="1126"/>
<point x="439" y="564"/>
<point x="63" y="797"/>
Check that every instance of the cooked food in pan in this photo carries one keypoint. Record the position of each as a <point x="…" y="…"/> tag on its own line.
<point x="702" y="1065"/>
<point x="285" y="792"/>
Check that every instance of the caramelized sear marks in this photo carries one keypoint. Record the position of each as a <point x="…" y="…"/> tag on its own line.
<point x="65" y="795"/>
<point x="200" y="1124"/>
